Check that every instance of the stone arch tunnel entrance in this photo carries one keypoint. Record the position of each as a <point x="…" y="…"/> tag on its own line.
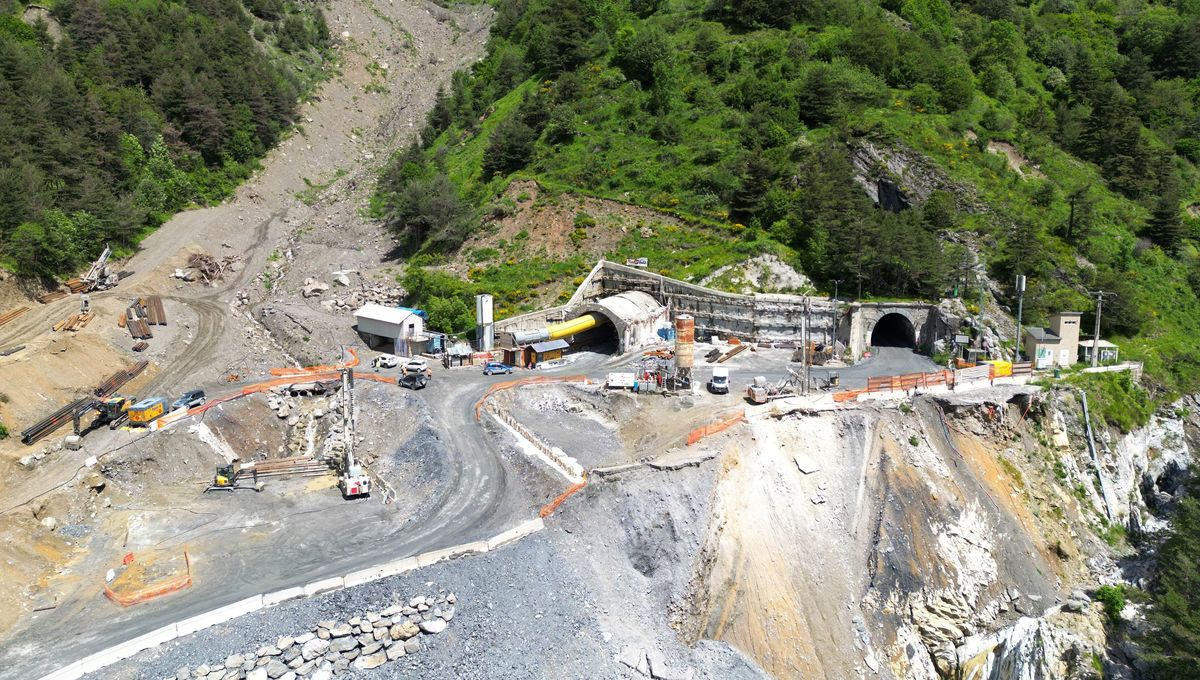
<point x="894" y="330"/>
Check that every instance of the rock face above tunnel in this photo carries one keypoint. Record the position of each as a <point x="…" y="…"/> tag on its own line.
<point x="896" y="176"/>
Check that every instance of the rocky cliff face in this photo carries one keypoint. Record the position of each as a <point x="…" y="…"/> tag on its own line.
<point x="946" y="538"/>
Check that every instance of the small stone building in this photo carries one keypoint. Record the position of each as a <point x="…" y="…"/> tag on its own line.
<point x="1056" y="345"/>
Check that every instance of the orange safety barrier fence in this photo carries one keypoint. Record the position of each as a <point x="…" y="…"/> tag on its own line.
<point x="319" y="369"/>
<point x="266" y="385"/>
<point x="509" y="384"/>
<point x="550" y="507"/>
<point x="713" y="428"/>
<point x="847" y="395"/>
<point x="148" y="593"/>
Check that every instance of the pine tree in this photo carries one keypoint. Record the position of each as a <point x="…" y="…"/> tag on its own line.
<point x="1165" y="227"/>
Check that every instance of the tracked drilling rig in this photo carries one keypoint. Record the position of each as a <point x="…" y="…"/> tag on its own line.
<point x="353" y="480"/>
<point x="98" y="276"/>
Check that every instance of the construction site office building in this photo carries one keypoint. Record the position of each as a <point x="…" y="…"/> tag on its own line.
<point x="399" y="330"/>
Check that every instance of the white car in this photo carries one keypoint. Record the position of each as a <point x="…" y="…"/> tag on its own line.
<point x="386" y="361"/>
<point x="417" y="365"/>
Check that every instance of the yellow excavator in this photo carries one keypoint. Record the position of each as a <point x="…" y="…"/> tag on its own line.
<point x="113" y="411"/>
<point x="229" y="478"/>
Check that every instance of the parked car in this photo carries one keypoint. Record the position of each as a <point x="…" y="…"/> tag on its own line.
<point x="494" y="367"/>
<point x="417" y="365"/>
<point x="386" y="361"/>
<point x="189" y="400"/>
<point x="413" y="381"/>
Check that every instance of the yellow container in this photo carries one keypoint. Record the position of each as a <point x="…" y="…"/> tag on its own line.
<point x="147" y="410"/>
<point x="1000" y="368"/>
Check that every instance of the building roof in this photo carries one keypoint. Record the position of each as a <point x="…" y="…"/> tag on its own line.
<point x="392" y="315"/>
<point x="549" y="345"/>
<point x="1104" y="344"/>
<point x="1042" y="334"/>
<point x="1068" y="314"/>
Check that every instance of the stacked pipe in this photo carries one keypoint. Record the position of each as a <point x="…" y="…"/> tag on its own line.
<point x="65" y="414"/>
<point x="117" y="380"/>
<point x="53" y="421"/>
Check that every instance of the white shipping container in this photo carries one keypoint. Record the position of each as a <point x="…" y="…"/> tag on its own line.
<point x="620" y="380"/>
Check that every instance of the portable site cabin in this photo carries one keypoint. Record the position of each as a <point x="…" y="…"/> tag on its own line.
<point x="401" y="329"/>
<point x="528" y="356"/>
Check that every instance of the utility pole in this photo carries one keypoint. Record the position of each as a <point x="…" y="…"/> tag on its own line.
<point x="1099" y="295"/>
<point x="979" y="277"/>
<point x="1020" y="305"/>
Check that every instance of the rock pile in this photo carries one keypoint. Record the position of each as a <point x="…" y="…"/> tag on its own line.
<point x="653" y="664"/>
<point x="32" y="460"/>
<point x="208" y="268"/>
<point x="332" y="648"/>
<point x="369" y="293"/>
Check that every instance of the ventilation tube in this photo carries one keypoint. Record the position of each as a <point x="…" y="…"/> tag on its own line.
<point x="559" y="330"/>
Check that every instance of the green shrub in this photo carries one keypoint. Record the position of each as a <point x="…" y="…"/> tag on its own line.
<point x="1113" y="598"/>
<point x="1115" y="399"/>
<point x="3" y="431"/>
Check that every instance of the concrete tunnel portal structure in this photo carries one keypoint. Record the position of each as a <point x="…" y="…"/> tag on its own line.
<point x="633" y="317"/>
<point x="635" y="303"/>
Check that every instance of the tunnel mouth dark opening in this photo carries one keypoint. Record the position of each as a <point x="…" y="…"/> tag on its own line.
<point x="601" y="339"/>
<point x="894" y="330"/>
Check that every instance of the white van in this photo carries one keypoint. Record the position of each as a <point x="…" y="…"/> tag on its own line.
<point x="719" y="383"/>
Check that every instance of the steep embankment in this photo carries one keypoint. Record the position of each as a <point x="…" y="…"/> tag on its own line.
<point x="940" y="541"/>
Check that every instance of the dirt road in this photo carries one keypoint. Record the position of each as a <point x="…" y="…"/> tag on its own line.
<point x="392" y="59"/>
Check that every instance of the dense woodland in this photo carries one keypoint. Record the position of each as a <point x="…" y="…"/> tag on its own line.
<point x="745" y="117"/>
<point x="124" y="113"/>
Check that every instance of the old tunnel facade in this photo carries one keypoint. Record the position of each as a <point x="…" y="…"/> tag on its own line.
<point x="635" y="300"/>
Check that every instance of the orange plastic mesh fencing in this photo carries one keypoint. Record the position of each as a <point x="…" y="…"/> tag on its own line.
<point x="847" y="395"/>
<point x="171" y="585"/>
<point x="713" y="428"/>
<point x="319" y="369"/>
<point x="550" y="507"/>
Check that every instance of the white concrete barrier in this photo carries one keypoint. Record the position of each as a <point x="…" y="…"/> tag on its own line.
<point x="127" y="649"/>
<point x="520" y="531"/>
<point x="435" y="556"/>
<point x="279" y="596"/>
<point x="324" y="586"/>
<point x="220" y="615"/>
<point x="397" y="567"/>
<point x="362" y="576"/>
<point x="71" y="672"/>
